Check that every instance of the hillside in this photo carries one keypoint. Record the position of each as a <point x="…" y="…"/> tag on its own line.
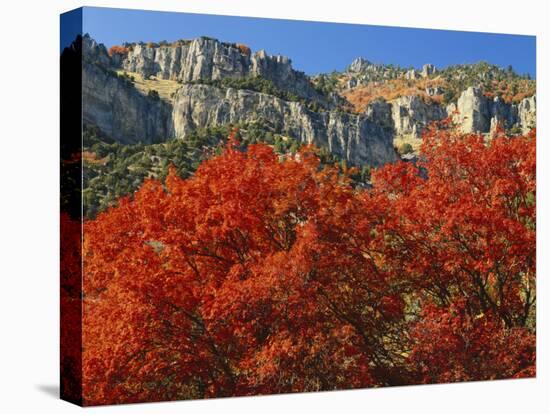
<point x="147" y="105"/>
<point x="165" y="88"/>
<point x="478" y="96"/>
<point x="363" y="82"/>
<point x="415" y="97"/>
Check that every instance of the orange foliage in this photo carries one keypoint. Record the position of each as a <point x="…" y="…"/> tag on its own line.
<point x="90" y="157"/>
<point x="512" y="91"/>
<point x="245" y="50"/>
<point x="464" y="240"/>
<point x="360" y="96"/>
<point x="388" y="90"/>
<point x="118" y="50"/>
<point x="258" y="275"/>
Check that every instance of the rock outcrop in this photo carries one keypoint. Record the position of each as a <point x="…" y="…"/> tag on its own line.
<point x="527" y="113"/>
<point x="115" y="106"/>
<point x="379" y="111"/>
<point x="94" y="52"/>
<point x="473" y="111"/>
<point x="359" y="65"/>
<point x="209" y="59"/>
<point x="411" y="114"/>
<point x="352" y="137"/>
<point x="427" y="70"/>
<point x="476" y="113"/>
<point x="187" y="61"/>
<point x="408" y="116"/>
<point x="362" y="71"/>
<point x="120" y="111"/>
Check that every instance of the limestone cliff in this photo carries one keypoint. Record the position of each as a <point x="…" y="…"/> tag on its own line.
<point x="129" y="114"/>
<point x="420" y="94"/>
<point x="527" y="113"/>
<point x="352" y="137"/>
<point x="408" y="116"/>
<point x="209" y="59"/>
<point x="411" y="114"/>
<point x="477" y="113"/>
<point x="120" y="111"/>
<point x="113" y="104"/>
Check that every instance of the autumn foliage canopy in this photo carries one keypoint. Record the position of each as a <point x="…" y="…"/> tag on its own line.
<point x="267" y="275"/>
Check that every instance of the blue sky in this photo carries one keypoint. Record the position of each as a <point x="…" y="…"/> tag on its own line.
<point x="316" y="46"/>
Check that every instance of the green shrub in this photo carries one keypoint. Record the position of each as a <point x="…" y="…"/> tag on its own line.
<point x="259" y="84"/>
<point x="405" y="148"/>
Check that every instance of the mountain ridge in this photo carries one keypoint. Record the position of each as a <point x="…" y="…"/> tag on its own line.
<point x="136" y="124"/>
<point x="396" y="101"/>
<point x="327" y="127"/>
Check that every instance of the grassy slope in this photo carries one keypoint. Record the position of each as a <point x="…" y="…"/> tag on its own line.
<point x="165" y="88"/>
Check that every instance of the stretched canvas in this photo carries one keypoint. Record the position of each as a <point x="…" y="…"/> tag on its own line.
<point x="258" y="206"/>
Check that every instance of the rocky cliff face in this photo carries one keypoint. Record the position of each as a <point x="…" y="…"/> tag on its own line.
<point x="94" y="52"/>
<point x="129" y="115"/>
<point x="411" y="114"/>
<point x="379" y="111"/>
<point x="527" y="113"/>
<point x="115" y="106"/>
<point x="198" y="59"/>
<point x="408" y="116"/>
<point x="210" y="59"/>
<point x="352" y="137"/>
<point x="125" y="114"/>
<point x="361" y="71"/>
<point x="120" y="111"/>
<point x="475" y="113"/>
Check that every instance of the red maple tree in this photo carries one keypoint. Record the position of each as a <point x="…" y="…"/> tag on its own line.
<point x="262" y="275"/>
